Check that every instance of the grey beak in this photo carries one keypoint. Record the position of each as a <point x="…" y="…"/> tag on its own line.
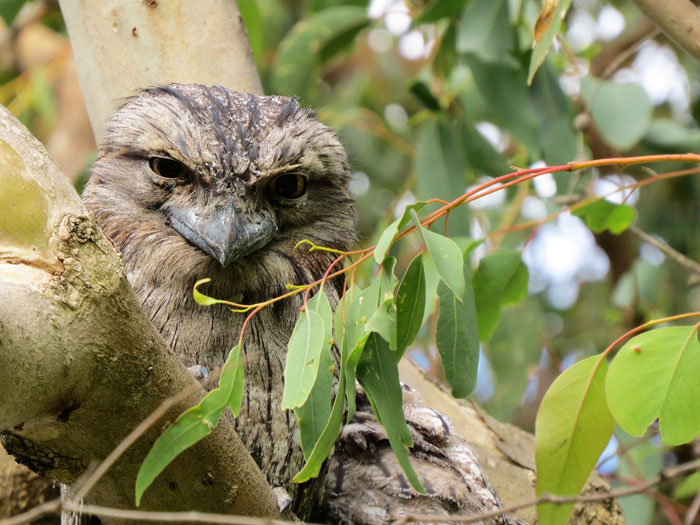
<point x="225" y="233"/>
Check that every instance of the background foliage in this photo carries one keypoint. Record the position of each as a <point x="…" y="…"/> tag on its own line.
<point x="431" y="98"/>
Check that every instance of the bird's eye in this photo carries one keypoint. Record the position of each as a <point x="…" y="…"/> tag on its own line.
<point x="289" y="185"/>
<point x="168" y="168"/>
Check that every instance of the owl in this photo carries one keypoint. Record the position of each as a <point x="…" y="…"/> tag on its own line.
<point x="195" y="181"/>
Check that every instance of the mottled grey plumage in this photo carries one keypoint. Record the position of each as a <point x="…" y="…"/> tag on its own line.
<point x="233" y="146"/>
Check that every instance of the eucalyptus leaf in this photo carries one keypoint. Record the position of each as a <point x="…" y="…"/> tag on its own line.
<point x="303" y="358"/>
<point x="572" y="429"/>
<point x="446" y="255"/>
<point x="500" y="279"/>
<point x="410" y="304"/>
<point x="457" y="339"/>
<point x="378" y="374"/>
<point x="195" y="423"/>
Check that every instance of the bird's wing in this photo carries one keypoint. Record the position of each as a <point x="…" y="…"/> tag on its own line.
<point x="366" y="485"/>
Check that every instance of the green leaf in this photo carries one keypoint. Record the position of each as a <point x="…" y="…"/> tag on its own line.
<point x="441" y="169"/>
<point x="351" y="317"/>
<point x="303" y="357"/>
<point x="383" y="322"/>
<point x="314" y="415"/>
<point x="326" y="441"/>
<point x="669" y="136"/>
<point x="446" y="255"/>
<point x="479" y="152"/>
<point x="655" y="375"/>
<point x="410" y="304"/>
<point x="559" y="139"/>
<point x="544" y="44"/>
<point x="572" y="429"/>
<point x="689" y="487"/>
<point x="621" y="111"/>
<point x="195" y="423"/>
<point x="440" y="9"/>
<point x="603" y="215"/>
<point x="457" y="338"/>
<point x="507" y="101"/>
<point x="309" y="43"/>
<point x="422" y="92"/>
<point x="387" y="236"/>
<point x="199" y="297"/>
<point x="231" y="380"/>
<point x="378" y="374"/>
<point x="485" y="30"/>
<point x="500" y="279"/>
<point x="252" y="19"/>
<point x="9" y="10"/>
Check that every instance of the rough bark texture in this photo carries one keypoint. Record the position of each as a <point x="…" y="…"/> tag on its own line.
<point x="679" y="19"/>
<point x="80" y="365"/>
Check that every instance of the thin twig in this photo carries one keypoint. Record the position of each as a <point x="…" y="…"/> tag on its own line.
<point x="689" y="264"/>
<point x="664" y="475"/>
<point x="129" y="440"/>
<point x="50" y="507"/>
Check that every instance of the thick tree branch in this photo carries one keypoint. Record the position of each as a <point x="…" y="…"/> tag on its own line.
<point x="80" y="365"/>
<point x="679" y="19"/>
<point x="123" y="45"/>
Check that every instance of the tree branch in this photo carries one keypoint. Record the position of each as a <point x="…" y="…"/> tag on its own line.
<point x="80" y="365"/>
<point x="679" y="19"/>
<point x="122" y="46"/>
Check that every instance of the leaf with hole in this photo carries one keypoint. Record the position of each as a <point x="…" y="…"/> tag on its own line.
<point x="655" y="376"/>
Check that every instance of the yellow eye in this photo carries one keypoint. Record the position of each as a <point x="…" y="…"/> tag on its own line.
<point x="289" y="185"/>
<point x="168" y="168"/>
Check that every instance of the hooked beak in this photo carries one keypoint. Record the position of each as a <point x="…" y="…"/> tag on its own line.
<point x="226" y="233"/>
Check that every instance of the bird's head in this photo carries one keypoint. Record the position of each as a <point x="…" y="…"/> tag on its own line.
<point x="204" y="181"/>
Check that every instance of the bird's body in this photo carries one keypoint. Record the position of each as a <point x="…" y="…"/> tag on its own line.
<point x="181" y="164"/>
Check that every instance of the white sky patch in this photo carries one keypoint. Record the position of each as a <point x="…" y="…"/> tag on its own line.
<point x="533" y="209"/>
<point x="652" y="254"/>
<point x="359" y="183"/>
<point x="545" y="186"/>
<point x="562" y="255"/>
<point x="656" y="69"/>
<point x="610" y="23"/>
<point x="484" y="379"/>
<point x="494" y="135"/>
<point x="606" y="185"/>
<point x="582" y="30"/>
<point x="406" y="199"/>
<point x="570" y="81"/>
<point x="488" y="201"/>
<point x="380" y="40"/>
<point x="412" y="45"/>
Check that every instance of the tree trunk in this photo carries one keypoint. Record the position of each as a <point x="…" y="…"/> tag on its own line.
<point x="114" y="376"/>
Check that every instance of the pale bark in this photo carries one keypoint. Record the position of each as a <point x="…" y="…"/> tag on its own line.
<point x="123" y="45"/>
<point x="678" y="19"/>
<point x="80" y="365"/>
